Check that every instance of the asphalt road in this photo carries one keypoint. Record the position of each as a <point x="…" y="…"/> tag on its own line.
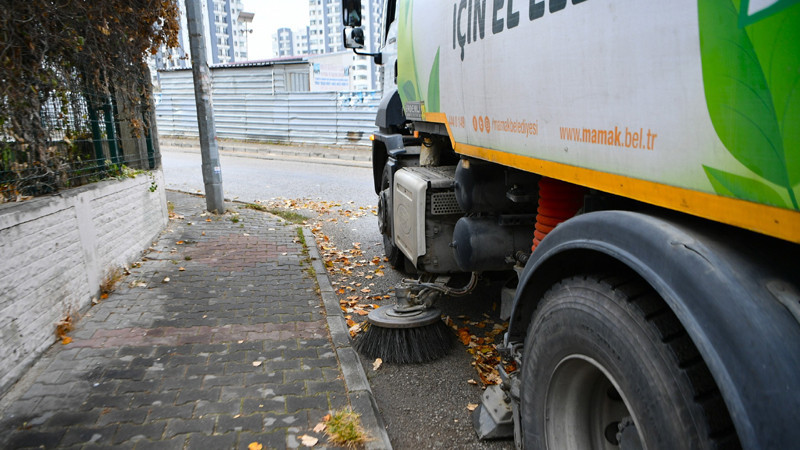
<point x="423" y="405"/>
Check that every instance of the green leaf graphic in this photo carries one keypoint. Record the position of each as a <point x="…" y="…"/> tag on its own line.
<point x="737" y="95"/>
<point x="741" y="187"/>
<point x="433" y="86"/>
<point x="748" y="15"/>
<point x="751" y="82"/>
<point x="407" y="64"/>
<point x="776" y="41"/>
<point x="409" y="91"/>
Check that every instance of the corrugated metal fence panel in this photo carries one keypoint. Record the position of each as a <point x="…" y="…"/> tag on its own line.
<point x="176" y="114"/>
<point x="356" y="119"/>
<point x="235" y="82"/>
<point x="246" y="106"/>
<point x="312" y="118"/>
<point x="252" y="103"/>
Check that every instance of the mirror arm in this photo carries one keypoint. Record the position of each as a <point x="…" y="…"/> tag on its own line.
<point x="377" y="57"/>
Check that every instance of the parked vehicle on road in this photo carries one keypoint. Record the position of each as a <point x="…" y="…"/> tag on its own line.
<point x="636" y="165"/>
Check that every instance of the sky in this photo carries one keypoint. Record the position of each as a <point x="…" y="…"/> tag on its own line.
<point x="269" y="16"/>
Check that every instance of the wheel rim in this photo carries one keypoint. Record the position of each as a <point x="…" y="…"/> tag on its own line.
<point x="584" y="407"/>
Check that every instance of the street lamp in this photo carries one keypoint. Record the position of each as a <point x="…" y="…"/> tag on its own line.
<point x="247" y="19"/>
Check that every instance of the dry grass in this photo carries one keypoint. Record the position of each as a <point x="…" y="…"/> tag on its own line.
<point x="344" y="429"/>
<point x="110" y="282"/>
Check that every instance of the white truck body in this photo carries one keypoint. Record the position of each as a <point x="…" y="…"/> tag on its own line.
<point x="646" y="96"/>
<point x="605" y="129"/>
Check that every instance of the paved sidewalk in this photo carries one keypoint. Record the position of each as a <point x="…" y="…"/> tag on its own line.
<point x="220" y="338"/>
<point x="352" y="155"/>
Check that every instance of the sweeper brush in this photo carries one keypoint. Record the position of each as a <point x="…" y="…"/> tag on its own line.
<point x="398" y="337"/>
<point x="411" y="330"/>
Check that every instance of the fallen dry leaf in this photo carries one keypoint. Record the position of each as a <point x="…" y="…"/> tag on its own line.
<point x="181" y="269"/>
<point x="377" y="364"/>
<point x="66" y="340"/>
<point x="320" y="427"/>
<point x="472" y="406"/>
<point x="166" y="280"/>
<point x="308" y="441"/>
<point x="326" y="418"/>
<point x="464" y="336"/>
<point x="471" y="381"/>
<point x="486" y="358"/>
<point x="355" y="329"/>
<point x="255" y="446"/>
<point x="257" y="363"/>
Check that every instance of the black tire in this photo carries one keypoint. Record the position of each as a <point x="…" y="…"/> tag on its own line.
<point x="608" y="365"/>
<point x="393" y="254"/>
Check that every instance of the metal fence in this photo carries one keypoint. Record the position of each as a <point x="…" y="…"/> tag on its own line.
<point x="84" y="145"/>
<point x="258" y="104"/>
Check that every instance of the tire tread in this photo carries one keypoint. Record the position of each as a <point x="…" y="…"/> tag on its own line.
<point x="655" y="312"/>
<point x="688" y="360"/>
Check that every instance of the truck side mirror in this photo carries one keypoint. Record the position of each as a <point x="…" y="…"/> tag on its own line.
<point x="351" y="13"/>
<point x="353" y="38"/>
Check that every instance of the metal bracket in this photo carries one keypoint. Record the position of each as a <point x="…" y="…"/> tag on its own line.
<point x="493" y="419"/>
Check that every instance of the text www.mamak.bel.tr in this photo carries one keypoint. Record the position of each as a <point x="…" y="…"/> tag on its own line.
<point x="617" y="137"/>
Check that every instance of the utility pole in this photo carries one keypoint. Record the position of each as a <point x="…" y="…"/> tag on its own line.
<point x="212" y="172"/>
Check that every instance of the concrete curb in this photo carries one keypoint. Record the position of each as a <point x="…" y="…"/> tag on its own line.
<point x="348" y="160"/>
<point x="359" y="392"/>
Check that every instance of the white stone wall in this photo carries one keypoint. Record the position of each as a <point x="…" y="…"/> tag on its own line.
<point x="55" y="252"/>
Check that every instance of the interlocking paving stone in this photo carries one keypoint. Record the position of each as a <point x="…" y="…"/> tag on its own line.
<point x="164" y="364"/>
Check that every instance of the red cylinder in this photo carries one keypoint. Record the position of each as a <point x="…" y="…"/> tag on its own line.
<point x="558" y="201"/>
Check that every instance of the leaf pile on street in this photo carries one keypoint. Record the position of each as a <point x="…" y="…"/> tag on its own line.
<point x="485" y="357"/>
<point x="356" y="298"/>
<point x="322" y="207"/>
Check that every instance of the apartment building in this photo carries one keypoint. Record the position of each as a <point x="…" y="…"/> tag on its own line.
<point x="226" y="29"/>
<point x="323" y="36"/>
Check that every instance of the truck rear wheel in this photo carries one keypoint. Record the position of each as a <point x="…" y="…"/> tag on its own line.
<point x="608" y="365"/>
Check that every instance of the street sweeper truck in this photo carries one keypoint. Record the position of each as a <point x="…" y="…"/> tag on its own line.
<point x="634" y="168"/>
